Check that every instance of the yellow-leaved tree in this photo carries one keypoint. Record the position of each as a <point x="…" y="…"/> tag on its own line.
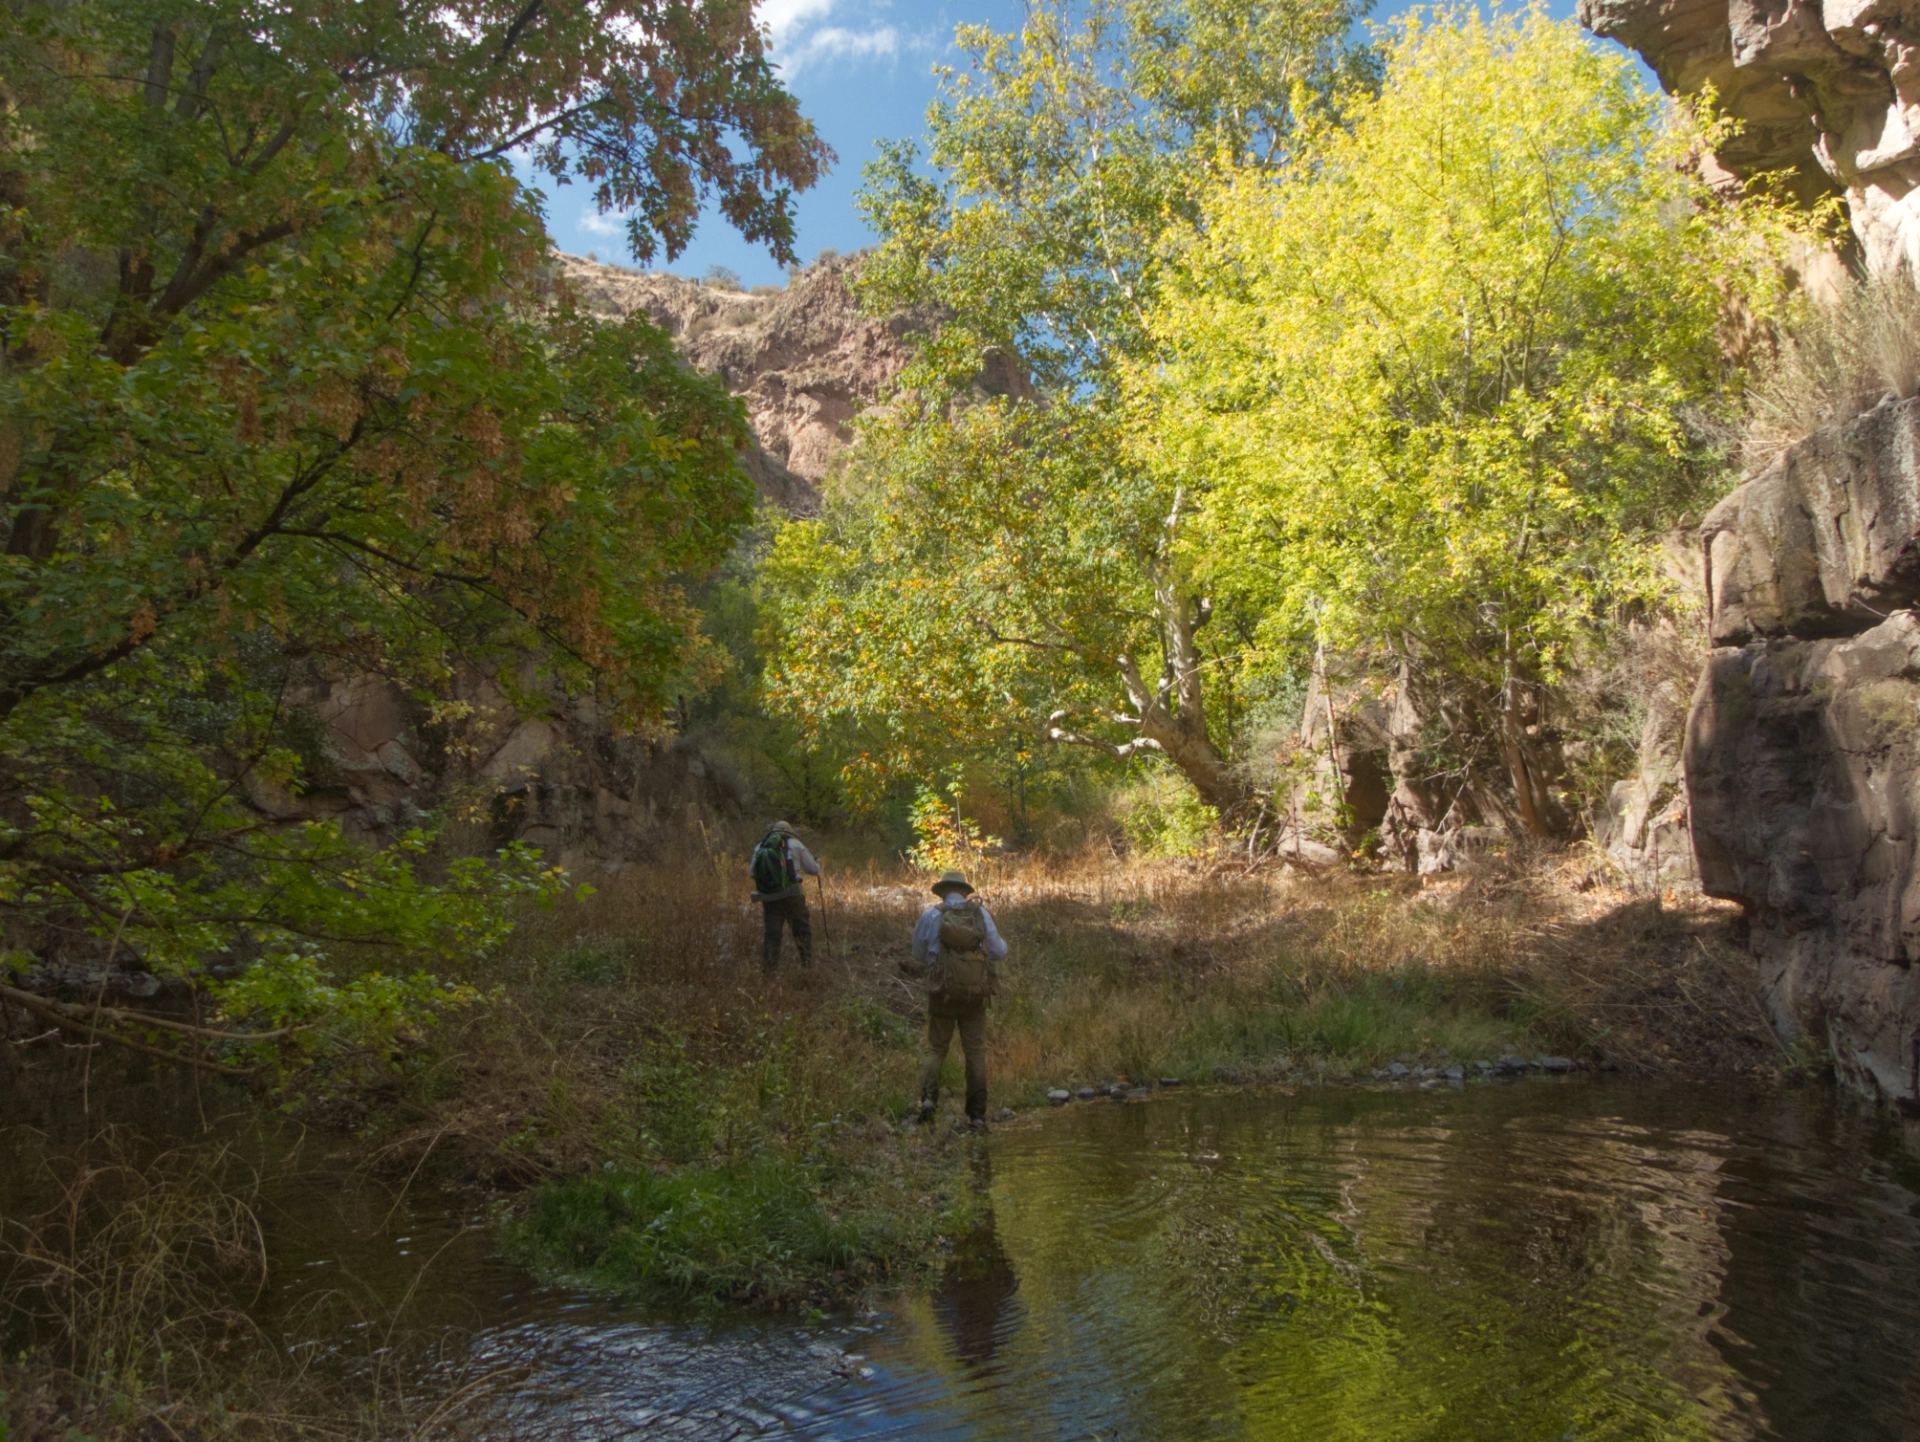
<point x="1445" y="373"/>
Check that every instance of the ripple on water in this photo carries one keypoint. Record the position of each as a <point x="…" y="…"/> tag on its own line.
<point x="1527" y="1262"/>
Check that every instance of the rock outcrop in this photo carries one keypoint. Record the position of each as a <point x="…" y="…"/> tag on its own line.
<point x="805" y="359"/>
<point x="1802" y="752"/>
<point x="1803" y="746"/>
<point x="563" y="779"/>
<point x="1827" y="94"/>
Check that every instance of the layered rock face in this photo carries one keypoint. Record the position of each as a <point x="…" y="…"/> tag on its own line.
<point x="1827" y="93"/>
<point x="804" y="359"/>
<point x="1803" y="746"/>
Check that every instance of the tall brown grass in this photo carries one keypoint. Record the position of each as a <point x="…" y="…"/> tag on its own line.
<point x="129" y="1303"/>
<point x="637" y="1026"/>
<point x="1833" y="361"/>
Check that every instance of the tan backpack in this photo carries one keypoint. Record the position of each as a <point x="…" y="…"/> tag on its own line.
<point x="963" y="971"/>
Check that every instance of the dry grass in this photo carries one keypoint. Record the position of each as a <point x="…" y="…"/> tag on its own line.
<point x="1834" y="361"/>
<point x="130" y="1305"/>
<point x="637" y="1027"/>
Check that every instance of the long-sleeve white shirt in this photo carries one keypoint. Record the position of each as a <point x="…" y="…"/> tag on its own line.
<point x="926" y="933"/>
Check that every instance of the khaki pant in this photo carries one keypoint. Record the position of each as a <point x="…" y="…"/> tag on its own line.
<point x="943" y="1015"/>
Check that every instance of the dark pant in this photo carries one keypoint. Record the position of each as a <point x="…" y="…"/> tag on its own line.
<point x="792" y="911"/>
<point x="943" y="1015"/>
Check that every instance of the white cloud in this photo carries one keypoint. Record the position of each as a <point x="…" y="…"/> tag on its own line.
<point x="609" y="226"/>
<point x="800" y="38"/>
<point x="838" y="40"/>
<point x="782" y="16"/>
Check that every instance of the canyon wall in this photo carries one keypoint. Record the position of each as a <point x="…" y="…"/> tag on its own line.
<point x="804" y="358"/>
<point x="1802" y="747"/>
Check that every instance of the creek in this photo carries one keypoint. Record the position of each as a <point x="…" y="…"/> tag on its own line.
<point x="1576" y="1258"/>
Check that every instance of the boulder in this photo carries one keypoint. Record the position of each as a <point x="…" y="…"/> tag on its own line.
<point x="1826" y="540"/>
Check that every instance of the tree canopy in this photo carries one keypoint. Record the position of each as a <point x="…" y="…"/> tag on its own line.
<point x="1002" y="563"/>
<point x="287" y="380"/>
<point x="1445" y="372"/>
<point x="1061" y="156"/>
<point x="1415" y="369"/>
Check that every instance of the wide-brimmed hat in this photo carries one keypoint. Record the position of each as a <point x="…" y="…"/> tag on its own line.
<point x="952" y="881"/>
<point x="783" y="828"/>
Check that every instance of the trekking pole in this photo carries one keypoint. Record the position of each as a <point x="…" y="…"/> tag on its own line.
<point x="825" y="935"/>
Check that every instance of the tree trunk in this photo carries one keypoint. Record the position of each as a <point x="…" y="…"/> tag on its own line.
<point x="1173" y="716"/>
<point x="1540" y="810"/>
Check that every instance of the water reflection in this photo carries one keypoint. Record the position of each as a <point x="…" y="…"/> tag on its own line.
<point x="1530" y="1262"/>
<point x="976" y="1307"/>
<point x="1591" y="1260"/>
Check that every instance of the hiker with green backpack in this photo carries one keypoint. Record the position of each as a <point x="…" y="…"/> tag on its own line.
<point x="956" y="944"/>
<point x="779" y="861"/>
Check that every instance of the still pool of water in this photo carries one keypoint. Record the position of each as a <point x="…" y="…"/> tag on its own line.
<point x="1535" y="1261"/>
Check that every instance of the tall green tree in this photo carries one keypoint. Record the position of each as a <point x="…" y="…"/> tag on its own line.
<point x="1441" y="372"/>
<point x="286" y="381"/>
<point x="1003" y="562"/>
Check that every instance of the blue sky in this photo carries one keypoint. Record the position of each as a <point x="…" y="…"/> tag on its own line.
<point x="862" y="70"/>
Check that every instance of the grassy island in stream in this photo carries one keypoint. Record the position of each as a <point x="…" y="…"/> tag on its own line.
<point x="673" y="1125"/>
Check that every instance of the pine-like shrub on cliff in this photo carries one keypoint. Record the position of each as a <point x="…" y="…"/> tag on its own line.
<point x="1438" y="373"/>
<point x="286" y="384"/>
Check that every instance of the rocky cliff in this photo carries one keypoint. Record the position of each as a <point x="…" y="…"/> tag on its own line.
<point x="1802" y="746"/>
<point x="804" y="359"/>
<point x="1827" y="94"/>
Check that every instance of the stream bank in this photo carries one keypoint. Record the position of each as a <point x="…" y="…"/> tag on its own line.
<point x="636" y="1071"/>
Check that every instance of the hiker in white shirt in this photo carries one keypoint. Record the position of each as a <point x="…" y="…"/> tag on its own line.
<point x="955" y="945"/>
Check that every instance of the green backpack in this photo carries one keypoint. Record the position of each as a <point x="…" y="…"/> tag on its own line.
<point x="772" y="868"/>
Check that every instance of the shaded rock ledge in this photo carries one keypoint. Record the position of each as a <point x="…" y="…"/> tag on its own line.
<point x="1803" y="745"/>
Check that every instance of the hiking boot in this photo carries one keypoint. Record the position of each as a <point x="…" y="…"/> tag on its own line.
<point x="976" y="1124"/>
<point x="924" y="1117"/>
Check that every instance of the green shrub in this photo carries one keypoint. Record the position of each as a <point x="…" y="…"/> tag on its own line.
<point x="1163" y="815"/>
<point x="750" y="1232"/>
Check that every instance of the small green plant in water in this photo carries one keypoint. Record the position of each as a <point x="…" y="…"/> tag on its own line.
<point x="769" y="1230"/>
